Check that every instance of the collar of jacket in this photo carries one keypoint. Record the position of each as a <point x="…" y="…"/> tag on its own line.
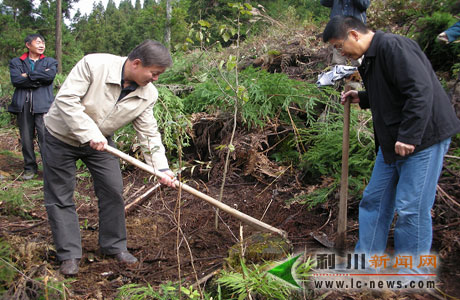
<point x="115" y="75"/>
<point x="372" y="51"/>
<point x="25" y="55"/>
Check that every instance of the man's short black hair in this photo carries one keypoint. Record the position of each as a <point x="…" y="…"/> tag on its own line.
<point x="151" y="53"/>
<point x="33" y="37"/>
<point x="338" y="27"/>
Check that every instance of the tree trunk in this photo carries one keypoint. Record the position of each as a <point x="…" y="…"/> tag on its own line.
<point x="59" y="34"/>
<point x="168" y="24"/>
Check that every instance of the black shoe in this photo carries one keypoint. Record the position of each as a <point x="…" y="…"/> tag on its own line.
<point x="69" y="266"/>
<point x="125" y="257"/>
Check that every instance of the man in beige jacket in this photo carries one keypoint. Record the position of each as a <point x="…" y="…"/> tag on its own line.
<point x="102" y="93"/>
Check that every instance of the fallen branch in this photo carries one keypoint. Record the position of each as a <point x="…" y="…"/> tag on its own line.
<point x="205" y="279"/>
<point x="139" y="200"/>
<point x="328" y="219"/>
<point x="440" y="227"/>
<point x="447" y="196"/>
<point x="127" y="189"/>
<point x="133" y="194"/>
<point x="28" y="227"/>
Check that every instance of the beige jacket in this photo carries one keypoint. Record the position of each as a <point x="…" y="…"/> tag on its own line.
<point x="86" y="107"/>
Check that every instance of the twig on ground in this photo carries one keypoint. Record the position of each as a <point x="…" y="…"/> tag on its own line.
<point x="139" y="200"/>
<point x="447" y="195"/>
<point x="441" y="227"/>
<point x="328" y="219"/>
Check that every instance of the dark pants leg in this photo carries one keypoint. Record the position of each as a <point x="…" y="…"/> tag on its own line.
<point x="40" y="130"/>
<point x="108" y="185"/>
<point x="59" y="185"/>
<point x="28" y="123"/>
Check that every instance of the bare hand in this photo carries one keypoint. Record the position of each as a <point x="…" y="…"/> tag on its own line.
<point x="24" y="75"/>
<point x="404" y="149"/>
<point x="169" y="179"/>
<point x="350" y="95"/>
<point x="98" y="145"/>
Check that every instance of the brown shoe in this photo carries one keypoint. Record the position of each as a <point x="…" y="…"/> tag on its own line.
<point x="69" y="266"/>
<point x="125" y="257"/>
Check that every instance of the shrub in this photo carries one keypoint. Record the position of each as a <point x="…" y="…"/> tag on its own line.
<point x="323" y="160"/>
<point x="269" y="96"/>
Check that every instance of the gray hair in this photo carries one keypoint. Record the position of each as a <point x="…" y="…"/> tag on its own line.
<point x="151" y="53"/>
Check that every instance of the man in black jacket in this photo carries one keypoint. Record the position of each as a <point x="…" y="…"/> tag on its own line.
<point x="413" y="123"/>
<point x="32" y="75"/>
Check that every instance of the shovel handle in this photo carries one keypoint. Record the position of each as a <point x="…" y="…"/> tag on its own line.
<point x="236" y="213"/>
<point x="340" y="242"/>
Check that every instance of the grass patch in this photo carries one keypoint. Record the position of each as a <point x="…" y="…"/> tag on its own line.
<point x="13" y="202"/>
<point x="11" y="154"/>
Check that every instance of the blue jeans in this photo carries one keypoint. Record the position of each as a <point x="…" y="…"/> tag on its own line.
<point x="407" y="187"/>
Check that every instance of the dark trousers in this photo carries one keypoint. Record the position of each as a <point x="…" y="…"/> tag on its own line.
<point x="59" y="185"/>
<point x="28" y="123"/>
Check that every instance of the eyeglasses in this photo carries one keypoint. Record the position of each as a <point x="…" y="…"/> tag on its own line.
<point x="340" y="47"/>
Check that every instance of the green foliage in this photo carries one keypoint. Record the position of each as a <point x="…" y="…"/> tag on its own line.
<point x="166" y="291"/>
<point x="190" y="292"/>
<point x="253" y="280"/>
<point x="6" y="88"/>
<point x="6" y="118"/>
<point x="184" y="69"/>
<point x="324" y="156"/>
<point x="9" y="43"/>
<point x="269" y="95"/>
<point x="58" y="81"/>
<point x="6" y="271"/>
<point x="82" y="172"/>
<point x="317" y="196"/>
<point x="14" y="202"/>
<point x="231" y="285"/>
<point x="256" y="281"/>
<point x="169" y="113"/>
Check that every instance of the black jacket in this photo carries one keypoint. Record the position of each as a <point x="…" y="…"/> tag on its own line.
<point x="36" y="87"/>
<point x="407" y="101"/>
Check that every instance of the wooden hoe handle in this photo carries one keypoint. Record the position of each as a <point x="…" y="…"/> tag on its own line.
<point x="243" y="217"/>
<point x="340" y="242"/>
